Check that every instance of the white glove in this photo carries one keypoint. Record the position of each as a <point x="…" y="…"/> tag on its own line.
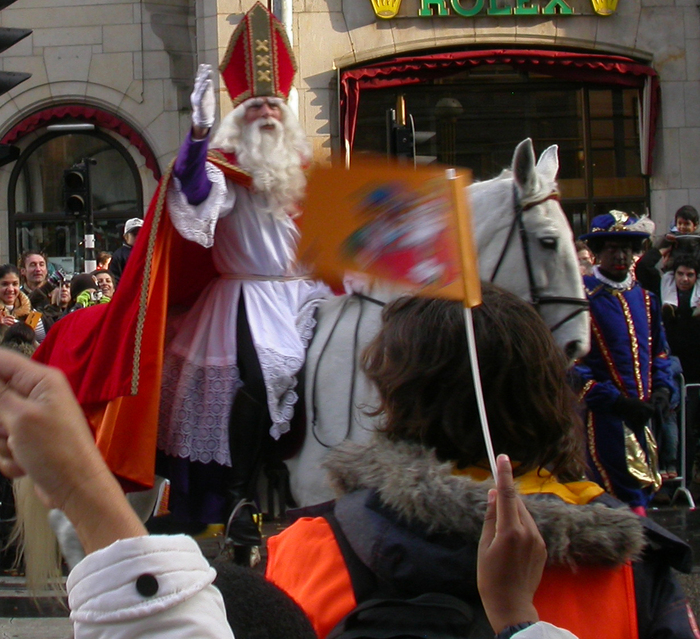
<point x="202" y="98"/>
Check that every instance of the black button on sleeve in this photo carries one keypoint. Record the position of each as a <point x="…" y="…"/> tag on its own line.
<point x="147" y="585"/>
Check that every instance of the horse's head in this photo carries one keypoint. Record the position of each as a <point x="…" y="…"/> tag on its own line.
<point x="530" y="250"/>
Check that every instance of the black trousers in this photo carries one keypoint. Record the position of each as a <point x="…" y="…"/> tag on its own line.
<point x="249" y="420"/>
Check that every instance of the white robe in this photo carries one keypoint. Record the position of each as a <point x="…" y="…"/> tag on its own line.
<point x="254" y="251"/>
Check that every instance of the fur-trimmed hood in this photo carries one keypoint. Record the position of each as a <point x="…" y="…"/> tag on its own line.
<point x="411" y="482"/>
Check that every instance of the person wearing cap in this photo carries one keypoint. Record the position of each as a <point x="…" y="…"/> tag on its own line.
<point x="121" y="255"/>
<point x="626" y="376"/>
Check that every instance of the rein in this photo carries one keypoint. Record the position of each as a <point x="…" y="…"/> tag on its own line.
<point x="535" y="298"/>
<point x="314" y="387"/>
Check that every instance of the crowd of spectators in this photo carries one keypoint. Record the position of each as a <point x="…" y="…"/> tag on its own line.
<point x="37" y="293"/>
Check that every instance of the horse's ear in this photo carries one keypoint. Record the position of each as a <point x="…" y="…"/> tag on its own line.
<point x="524" y="166"/>
<point x="548" y="164"/>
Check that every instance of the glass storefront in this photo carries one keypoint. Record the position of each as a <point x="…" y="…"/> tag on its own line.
<point x="476" y="118"/>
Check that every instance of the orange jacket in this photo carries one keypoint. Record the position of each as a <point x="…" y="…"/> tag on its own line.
<point x="306" y="562"/>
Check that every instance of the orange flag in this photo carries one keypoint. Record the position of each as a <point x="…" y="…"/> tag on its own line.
<point x="409" y="226"/>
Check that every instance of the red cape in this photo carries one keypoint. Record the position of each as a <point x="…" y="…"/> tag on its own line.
<point x="112" y="353"/>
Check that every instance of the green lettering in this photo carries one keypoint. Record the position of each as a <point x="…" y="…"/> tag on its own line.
<point x="427" y="5"/>
<point x="521" y="8"/>
<point x="495" y="10"/>
<point x="467" y="13"/>
<point x="563" y="8"/>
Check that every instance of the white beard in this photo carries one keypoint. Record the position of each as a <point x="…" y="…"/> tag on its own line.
<point x="273" y="157"/>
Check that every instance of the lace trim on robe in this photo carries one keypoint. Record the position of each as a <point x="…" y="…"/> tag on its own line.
<point x="197" y="223"/>
<point x="196" y="400"/>
<point x="279" y="373"/>
<point x="194" y="410"/>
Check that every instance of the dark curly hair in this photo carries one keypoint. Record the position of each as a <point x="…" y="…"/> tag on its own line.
<point x="684" y="259"/>
<point x="6" y="269"/>
<point x="419" y="362"/>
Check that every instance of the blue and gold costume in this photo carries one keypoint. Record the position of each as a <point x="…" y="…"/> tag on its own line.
<point x="628" y="357"/>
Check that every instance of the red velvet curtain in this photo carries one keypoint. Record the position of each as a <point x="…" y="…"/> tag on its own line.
<point x="578" y="67"/>
<point x="91" y="115"/>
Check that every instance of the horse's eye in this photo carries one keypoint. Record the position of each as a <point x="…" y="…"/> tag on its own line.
<point x="549" y="243"/>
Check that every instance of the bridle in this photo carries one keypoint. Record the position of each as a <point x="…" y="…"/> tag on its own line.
<point x="536" y="299"/>
<point x="360" y="298"/>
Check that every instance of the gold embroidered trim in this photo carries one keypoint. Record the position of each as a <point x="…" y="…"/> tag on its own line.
<point x="146" y="280"/>
<point x="634" y="343"/>
<point x="584" y="391"/>
<point x="591" y="292"/>
<point x="590" y="430"/>
<point x="647" y="305"/>
<point x="259" y="31"/>
<point x="217" y="157"/>
<point x="605" y="351"/>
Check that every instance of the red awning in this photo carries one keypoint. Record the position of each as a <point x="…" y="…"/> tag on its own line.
<point x="91" y="115"/>
<point x="592" y="68"/>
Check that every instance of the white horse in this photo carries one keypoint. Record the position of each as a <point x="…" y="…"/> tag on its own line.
<point x="525" y="245"/>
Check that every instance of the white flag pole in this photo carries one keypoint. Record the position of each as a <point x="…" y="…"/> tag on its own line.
<point x="476" y="376"/>
<point x="472" y="297"/>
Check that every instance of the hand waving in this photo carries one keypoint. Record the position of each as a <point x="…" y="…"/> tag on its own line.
<point x="202" y="99"/>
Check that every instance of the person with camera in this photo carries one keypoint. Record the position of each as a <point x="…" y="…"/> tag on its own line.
<point x="85" y="292"/>
<point x="38" y="284"/>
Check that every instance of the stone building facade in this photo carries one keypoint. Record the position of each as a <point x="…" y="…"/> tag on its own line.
<point x="115" y="75"/>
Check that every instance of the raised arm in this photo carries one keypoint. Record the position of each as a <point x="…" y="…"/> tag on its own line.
<point x="511" y="558"/>
<point x="130" y="585"/>
<point x="190" y="163"/>
<point x="43" y="434"/>
<point x="511" y="555"/>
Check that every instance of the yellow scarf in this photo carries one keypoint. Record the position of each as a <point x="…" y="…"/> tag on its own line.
<point x="537" y="482"/>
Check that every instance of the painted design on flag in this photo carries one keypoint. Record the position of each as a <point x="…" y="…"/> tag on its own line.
<point x="403" y="233"/>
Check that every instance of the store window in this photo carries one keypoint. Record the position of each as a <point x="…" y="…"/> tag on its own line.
<point x="475" y="117"/>
<point x="37" y="218"/>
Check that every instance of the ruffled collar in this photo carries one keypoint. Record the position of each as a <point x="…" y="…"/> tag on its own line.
<point x="625" y="285"/>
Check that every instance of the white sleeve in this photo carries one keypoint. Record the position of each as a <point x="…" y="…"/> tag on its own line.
<point x="543" y="630"/>
<point x="157" y="586"/>
<point x="197" y="223"/>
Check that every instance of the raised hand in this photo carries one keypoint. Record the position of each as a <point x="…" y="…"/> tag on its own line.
<point x="511" y="555"/>
<point x="43" y="434"/>
<point x="202" y="99"/>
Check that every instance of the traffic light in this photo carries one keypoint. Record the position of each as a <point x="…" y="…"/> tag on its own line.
<point x="403" y="141"/>
<point x="401" y="145"/>
<point x="8" y="38"/>
<point x="76" y="190"/>
<point x="10" y="79"/>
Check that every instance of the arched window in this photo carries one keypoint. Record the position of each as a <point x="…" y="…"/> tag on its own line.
<point x="37" y="219"/>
